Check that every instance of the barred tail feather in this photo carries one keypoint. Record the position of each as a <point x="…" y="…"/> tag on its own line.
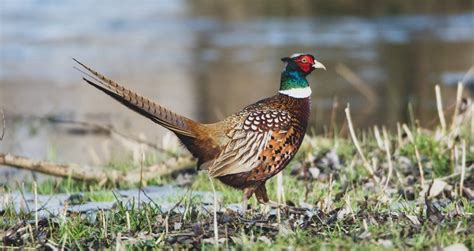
<point x="158" y="114"/>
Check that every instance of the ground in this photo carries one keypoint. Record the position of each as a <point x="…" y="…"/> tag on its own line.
<point x="336" y="197"/>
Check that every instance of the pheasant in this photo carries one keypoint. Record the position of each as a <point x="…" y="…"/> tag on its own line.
<point x="247" y="148"/>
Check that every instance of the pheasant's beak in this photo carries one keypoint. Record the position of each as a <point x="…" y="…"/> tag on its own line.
<point x="318" y="65"/>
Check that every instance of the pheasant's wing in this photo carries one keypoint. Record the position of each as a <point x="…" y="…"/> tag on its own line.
<point x="248" y="142"/>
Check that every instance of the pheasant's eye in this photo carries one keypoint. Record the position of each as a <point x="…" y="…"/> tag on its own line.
<point x="304" y="60"/>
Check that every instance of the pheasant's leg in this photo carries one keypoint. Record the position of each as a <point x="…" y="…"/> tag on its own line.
<point x="247" y="194"/>
<point x="262" y="197"/>
<point x="261" y="194"/>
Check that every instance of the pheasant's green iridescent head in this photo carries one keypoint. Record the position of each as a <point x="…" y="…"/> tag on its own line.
<point x="293" y="78"/>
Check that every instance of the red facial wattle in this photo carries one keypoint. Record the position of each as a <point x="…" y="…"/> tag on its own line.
<point x="305" y="63"/>
<point x="305" y="67"/>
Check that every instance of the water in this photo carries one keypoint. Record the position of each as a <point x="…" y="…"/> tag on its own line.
<point x="208" y="59"/>
<point x="56" y="204"/>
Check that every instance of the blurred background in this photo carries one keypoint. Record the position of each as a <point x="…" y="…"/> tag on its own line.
<point x="207" y="59"/>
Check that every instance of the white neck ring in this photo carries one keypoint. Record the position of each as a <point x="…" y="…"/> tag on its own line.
<point x="303" y="92"/>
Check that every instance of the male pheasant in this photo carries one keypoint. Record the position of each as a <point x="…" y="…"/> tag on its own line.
<point x="247" y="148"/>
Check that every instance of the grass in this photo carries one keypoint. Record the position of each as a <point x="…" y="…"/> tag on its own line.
<point x="435" y="154"/>
<point x="346" y="208"/>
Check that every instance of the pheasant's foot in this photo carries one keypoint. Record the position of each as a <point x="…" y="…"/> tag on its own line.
<point x="275" y="204"/>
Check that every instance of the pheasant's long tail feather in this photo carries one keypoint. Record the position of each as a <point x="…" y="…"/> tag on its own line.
<point x="159" y="114"/>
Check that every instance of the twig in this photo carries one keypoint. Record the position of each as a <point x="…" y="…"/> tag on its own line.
<point x="397" y="173"/>
<point x="439" y="106"/>
<point x="118" y="242"/>
<point x="348" y="204"/>
<point x="140" y="186"/>
<point x="417" y="153"/>
<point x="378" y="138"/>
<point x="127" y="214"/>
<point x="463" y="167"/>
<point x="458" y="102"/>
<point x="354" y="138"/>
<point x="147" y="216"/>
<point x="104" y="223"/>
<point x="332" y="127"/>
<point x="95" y="174"/>
<point x="411" y="116"/>
<point x="280" y="194"/>
<point x="167" y="227"/>
<point x="389" y="157"/>
<point x="468" y="74"/>
<point x="32" y="235"/>
<point x="35" y="191"/>
<point x="356" y="143"/>
<point x="374" y="164"/>
<point x="216" y="230"/>
<point x="4" y="124"/>
<point x="63" y="245"/>
<point x="399" y="135"/>
<point x="150" y="199"/>
<point x="281" y="188"/>
<point x="328" y="201"/>
<point x="472" y="122"/>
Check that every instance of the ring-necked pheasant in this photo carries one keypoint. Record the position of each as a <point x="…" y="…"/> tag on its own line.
<point x="247" y="148"/>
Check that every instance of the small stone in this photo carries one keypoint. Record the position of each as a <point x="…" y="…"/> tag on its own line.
<point x="342" y="213"/>
<point x="436" y="188"/>
<point x="413" y="219"/>
<point x="333" y="159"/>
<point x="405" y="163"/>
<point x="385" y="243"/>
<point x="284" y="230"/>
<point x="468" y="192"/>
<point x="364" y="235"/>
<point x="265" y="240"/>
<point x="184" y="179"/>
<point x="456" y="247"/>
<point x="91" y="217"/>
<point x="77" y="199"/>
<point x="306" y="205"/>
<point x="197" y="229"/>
<point x="314" y="171"/>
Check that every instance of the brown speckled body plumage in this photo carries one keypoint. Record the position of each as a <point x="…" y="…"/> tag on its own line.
<point x="245" y="149"/>
<point x="281" y="122"/>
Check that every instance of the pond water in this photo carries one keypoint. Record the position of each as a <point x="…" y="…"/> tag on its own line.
<point x="208" y="59"/>
<point x="55" y="204"/>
